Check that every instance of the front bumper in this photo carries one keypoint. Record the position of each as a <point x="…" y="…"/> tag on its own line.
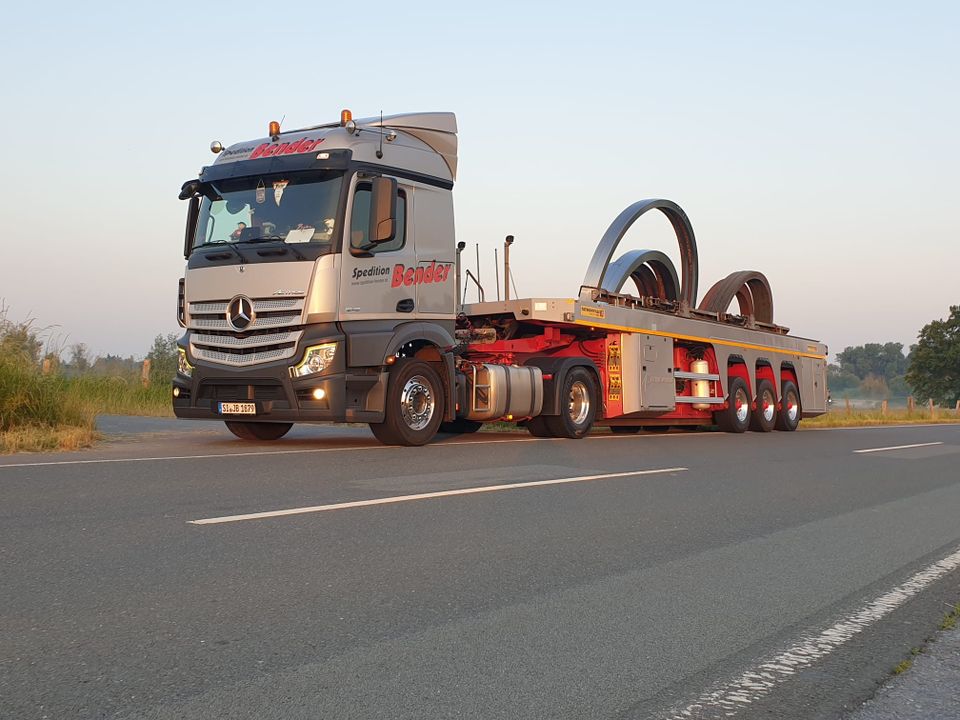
<point x="355" y="396"/>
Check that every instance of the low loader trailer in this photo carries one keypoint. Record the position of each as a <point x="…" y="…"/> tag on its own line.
<point x="324" y="284"/>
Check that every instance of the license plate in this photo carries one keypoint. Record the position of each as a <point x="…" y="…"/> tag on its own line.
<point x="238" y="409"/>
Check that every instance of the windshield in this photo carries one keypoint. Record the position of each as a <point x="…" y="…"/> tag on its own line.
<point x="286" y="208"/>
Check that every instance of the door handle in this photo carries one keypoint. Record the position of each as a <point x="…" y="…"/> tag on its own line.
<point x="405" y="306"/>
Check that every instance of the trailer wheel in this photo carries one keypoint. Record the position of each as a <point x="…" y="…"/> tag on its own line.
<point x="414" y="404"/>
<point x="578" y="405"/>
<point x="736" y="417"/>
<point x="765" y="416"/>
<point x="537" y="426"/>
<point x="460" y="427"/>
<point x="789" y="416"/>
<point x="624" y="429"/>
<point x="258" y="430"/>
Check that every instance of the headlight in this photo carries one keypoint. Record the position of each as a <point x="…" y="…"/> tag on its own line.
<point x="183" y="366"/>
<point x="316" y="358"/>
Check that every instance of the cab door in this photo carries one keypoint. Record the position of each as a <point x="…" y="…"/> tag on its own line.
<point x="436" y="254"/>
<point x="378" y="283"/>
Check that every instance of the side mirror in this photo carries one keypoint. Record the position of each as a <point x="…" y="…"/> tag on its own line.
<point x="193" y="211"/>
<point x="383" y="210"/>
<point x="189" y="189"/>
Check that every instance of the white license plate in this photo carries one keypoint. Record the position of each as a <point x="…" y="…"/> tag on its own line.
<point x="238" y="409"/>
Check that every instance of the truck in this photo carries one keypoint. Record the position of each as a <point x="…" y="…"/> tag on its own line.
<point x="324" y="283"/>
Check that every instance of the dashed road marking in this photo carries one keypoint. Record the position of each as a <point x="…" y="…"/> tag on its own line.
<point x="897" y="447"/>
<point x="426" y="496"/>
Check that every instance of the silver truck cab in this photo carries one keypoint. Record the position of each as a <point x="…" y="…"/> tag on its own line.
<point x="316" y="258"/>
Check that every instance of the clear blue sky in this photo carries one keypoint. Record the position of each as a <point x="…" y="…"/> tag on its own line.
<point x="815" y="142"/>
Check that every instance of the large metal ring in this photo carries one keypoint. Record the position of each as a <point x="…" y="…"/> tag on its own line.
<point x="750" y="288"/>
<point x="651" y="271"/>
<point x="689" y="267"/>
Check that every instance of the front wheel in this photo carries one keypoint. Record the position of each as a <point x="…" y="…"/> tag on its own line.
<point x="258" y="430"/>
<point x="414" y="405"/>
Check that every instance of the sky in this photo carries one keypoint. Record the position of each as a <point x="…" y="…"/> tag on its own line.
<point x="815" y="142"/>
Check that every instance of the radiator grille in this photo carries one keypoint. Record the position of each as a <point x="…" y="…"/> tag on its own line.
<point x="273" y="334"/>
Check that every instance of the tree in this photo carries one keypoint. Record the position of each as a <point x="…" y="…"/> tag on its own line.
<point x="19" y="341"/>
<point x="886" y="361"/>
<point x="79" y="359"/>
<point x="163" y="358"/>
<point x="935" y="360"/>
<point x="874" y="386"/>
<point x="839" y="380"/>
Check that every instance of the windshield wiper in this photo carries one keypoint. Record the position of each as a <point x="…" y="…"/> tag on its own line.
<point x="223" y="242"/>
<point x="274" y="238"/>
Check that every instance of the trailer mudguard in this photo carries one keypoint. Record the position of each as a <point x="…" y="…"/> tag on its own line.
<point x="557" y="368"/>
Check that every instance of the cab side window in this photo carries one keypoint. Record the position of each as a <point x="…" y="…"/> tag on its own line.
<point x="360" y="220"/>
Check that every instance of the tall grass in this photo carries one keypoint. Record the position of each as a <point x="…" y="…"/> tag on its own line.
<point x="118" y="395"/>
<point x="43" y="409"/>
<point x="29" y="398"/>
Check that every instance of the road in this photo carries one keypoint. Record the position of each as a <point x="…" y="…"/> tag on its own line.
<point x="652" y="576"/>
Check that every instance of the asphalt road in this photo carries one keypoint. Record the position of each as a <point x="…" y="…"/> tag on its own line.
<point x="778" y="575"/>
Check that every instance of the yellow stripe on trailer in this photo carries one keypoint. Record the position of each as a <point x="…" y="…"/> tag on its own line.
<point x="694" y="338"/>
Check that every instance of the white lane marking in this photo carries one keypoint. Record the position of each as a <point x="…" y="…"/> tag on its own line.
<point x="758" y="682"/>
<point x="426" y="496"/>
<point x="897" y="447"/>
<point x="100" y="461"/>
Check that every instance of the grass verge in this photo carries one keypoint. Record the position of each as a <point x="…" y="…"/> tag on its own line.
<point x="40" y="438"/>
<point x="42" y="412"/>
<point x="860" y="418"/>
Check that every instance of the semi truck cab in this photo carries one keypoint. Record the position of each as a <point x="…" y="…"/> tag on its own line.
<point x="315" y="258"/>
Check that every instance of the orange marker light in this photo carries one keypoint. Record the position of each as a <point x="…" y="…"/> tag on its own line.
<point x="274" y="128"/>
<point x="345" y="117"/>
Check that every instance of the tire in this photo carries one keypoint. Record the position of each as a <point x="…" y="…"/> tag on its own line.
<point x="537" y="426"/>
<point x="460" y="427"/>
<point x="414" y="405"/>
<point x="736" y="417"/>
<point x="624" y="429"/>
<point x="789" y="416"/>
<point x="254" y="431"/>
<point x="578" y="405"/>
<point x="764" y="417"/>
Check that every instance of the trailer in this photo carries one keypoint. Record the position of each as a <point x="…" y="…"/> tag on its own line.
<point x="324" y="283"/>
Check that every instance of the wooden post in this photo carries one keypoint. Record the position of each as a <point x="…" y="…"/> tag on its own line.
<point x="47" y="366"/>
<point x="910" y="404"/>
<point x="145" y="373"/>
<point x="847" y="400"/>
<point x="958" y="407"/>
<point x="933" y="411"/>
<point x="883" y="408"/>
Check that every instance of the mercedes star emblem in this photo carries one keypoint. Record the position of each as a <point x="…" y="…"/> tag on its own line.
<point x="240" y="312"/>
